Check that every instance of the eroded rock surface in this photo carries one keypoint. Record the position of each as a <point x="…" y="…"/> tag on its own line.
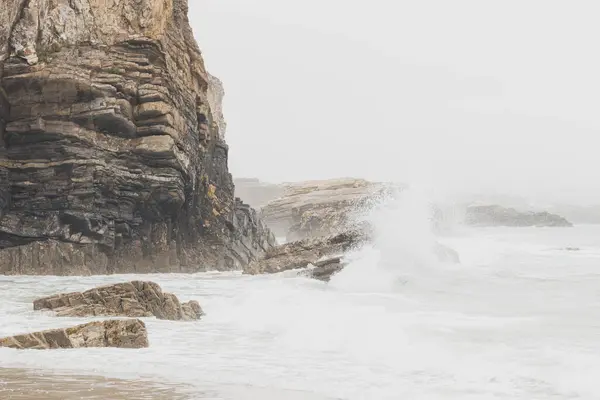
<point x="131" y="299"/>
<point x="129" y="334"/>
<point x="112" y="157"/>
<point x="321" y="208"/>
<point x="326" y="219"/>
<point x="303" y="253"/>
<point x="325" y="255"/>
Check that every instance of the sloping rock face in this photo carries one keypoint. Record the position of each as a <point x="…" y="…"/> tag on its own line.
<point x="111" y="155"/>
<point x="493" y="215"/>
<point x="321" y="208"/>
<point x="303" y="253"/>
<point x="325" y="254"/>
<point x="127" y="334"/>
<point x="132" y="299"/>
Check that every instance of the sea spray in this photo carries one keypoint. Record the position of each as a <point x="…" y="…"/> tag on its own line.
<point x="403" y="247"/>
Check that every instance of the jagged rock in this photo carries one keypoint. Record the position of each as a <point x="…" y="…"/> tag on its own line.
<point x="325" y="254"/>
<point x="111" y="154"/>
<point x="303" y="253"/>
<point x="493" y="215"/>
<point x="327" y="217"/>
<point x="132" y="299"/>
<point x="129" y="334"/>
<point x="321" y="208"/>
<point x="323" y="270"/>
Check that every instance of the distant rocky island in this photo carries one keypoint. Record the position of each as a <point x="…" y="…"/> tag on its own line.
<point x="494" y="215"/>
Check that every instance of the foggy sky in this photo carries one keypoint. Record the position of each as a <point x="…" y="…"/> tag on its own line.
<point x="465" y="95"/>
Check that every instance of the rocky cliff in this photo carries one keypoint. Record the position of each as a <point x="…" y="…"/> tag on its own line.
<point x="111" y="155"/>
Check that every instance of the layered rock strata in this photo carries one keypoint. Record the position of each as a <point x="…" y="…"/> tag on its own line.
<point x="303" y="253"/>
<point x="132" y="299"/>
<point x="129" y="334"/>
<point x="112" y="158"/>
<point x="322" y="208"/>
<point x="325" y="255"/>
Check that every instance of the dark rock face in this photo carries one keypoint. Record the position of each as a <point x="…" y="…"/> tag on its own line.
<point x="132" y="299"/>
<point x="127" y="334"/>
<point x="502" y="216"/>
<point x="111" y="160"/>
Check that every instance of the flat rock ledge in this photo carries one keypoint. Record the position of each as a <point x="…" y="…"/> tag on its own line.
<point x="131" y="299"/>
<point x="126" y="334"/>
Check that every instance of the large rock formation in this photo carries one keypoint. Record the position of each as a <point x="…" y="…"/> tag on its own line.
<point x="111" y="154"/>
<point x="323" y="221"/>
<point x="129" y="334"/>
<point x="321" y="208"/>
<point x="132" y="299"/>
<point x="493" y="215"/>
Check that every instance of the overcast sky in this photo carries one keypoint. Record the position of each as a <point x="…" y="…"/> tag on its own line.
<point x="472" y="94"/>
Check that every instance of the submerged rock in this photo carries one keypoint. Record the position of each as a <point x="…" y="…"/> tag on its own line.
<point x="113" y="158"/>
<point x="131" y="299"/>
<point x="128" y="334"/>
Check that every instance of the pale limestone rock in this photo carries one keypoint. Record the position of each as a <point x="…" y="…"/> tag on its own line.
<point x="129" y="334"/>
<point x="131" y="299"/>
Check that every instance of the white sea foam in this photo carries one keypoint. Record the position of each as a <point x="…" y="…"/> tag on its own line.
<point x="516" y="319"/>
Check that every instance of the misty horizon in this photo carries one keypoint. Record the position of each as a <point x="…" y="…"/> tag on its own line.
<point x="464" y="98"/>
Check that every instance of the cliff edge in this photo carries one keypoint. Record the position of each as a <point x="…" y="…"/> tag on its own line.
<point x="111" y="155"/>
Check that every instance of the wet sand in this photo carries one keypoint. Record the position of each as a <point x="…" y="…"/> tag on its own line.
<point x="16" y="384"/>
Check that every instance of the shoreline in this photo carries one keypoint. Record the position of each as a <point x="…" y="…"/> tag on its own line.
<point x="23" y="384"/>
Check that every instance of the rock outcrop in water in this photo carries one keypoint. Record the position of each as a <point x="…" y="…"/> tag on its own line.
<point x="112" y="157"/>
<point x="326" y="218"/>
<point x="321" y="208"/>
<point x="493" y="215"/>
<point x="132" y="299"/>
<point x="129" y="334"/>
<point x="303" y="253"/>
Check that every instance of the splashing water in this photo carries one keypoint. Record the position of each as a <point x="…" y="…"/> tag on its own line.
<point x="403" y="245"/>
<point x="517" y="319"/>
